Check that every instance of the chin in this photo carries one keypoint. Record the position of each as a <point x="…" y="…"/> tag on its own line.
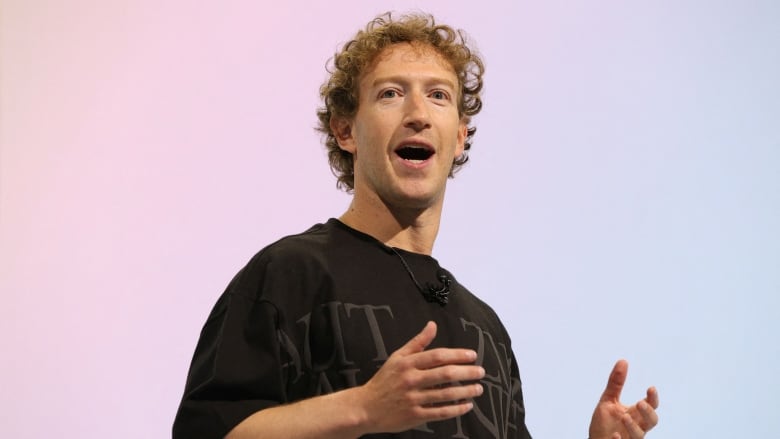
<point x="417" y="199"/>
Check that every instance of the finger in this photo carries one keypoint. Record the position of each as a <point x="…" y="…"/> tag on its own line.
<point x="419" y="342"/>
<point x="447" y="375"/>
<point x="442" y="356"/>
<point x="652" y="397"/>
<point x="634" y="431"/>
<point x="649" y="416"/>
<point x="441" y="412"/>
<point x="616" y="380"/>
<point x="450" y="395"/>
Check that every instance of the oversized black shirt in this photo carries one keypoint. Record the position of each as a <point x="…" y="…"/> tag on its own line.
<point x="321" y="311"/>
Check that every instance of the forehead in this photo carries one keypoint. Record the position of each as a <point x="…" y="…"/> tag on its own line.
<point x="408" y="57"/>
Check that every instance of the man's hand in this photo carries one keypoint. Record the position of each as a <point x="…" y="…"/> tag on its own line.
<point x="416" y="386"/>
<point x="613" y="420"/>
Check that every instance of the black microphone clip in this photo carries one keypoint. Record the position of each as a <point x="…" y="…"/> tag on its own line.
<point x="440" y="295"/>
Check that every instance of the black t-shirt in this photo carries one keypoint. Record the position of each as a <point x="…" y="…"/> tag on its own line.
<point x="321" y="311"/>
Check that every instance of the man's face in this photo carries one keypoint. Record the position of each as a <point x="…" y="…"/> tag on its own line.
<point x="407" y="130"/>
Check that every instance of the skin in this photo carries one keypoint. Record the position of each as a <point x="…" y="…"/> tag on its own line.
<point x="406" y="392"/>
<point x="613" y="420"/>
<point x="409" y="96"/>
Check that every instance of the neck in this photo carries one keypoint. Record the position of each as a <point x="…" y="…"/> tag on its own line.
<point x="409" y="229"/>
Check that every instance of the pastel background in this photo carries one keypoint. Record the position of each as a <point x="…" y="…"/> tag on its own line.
<point x="623" y="198"/>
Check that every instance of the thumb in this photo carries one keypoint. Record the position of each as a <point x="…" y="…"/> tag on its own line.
<point x="616" y="380"/>
<point x="419" y="342"/>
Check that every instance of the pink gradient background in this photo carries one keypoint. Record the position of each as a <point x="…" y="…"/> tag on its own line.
<point x="623" y="198"/>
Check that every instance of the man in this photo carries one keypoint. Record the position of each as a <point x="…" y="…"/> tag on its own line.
<point x="319" y="336"/>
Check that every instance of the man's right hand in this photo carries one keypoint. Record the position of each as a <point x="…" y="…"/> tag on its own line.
<point x="416" y="386"/>
<point x="413" y="387"/>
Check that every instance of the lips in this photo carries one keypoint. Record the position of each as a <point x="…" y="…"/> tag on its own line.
<point x="415" y="152"/>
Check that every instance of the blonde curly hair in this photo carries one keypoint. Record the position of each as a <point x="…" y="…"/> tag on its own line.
<point x="340" y="92"/>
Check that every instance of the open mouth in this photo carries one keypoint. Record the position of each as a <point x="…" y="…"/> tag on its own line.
<point x="414" y="153"/>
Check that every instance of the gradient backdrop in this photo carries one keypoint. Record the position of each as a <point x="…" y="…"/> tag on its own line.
<point x="623" y="198"/>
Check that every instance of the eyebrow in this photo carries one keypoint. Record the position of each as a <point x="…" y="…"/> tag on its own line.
<point x="403" y="79"/>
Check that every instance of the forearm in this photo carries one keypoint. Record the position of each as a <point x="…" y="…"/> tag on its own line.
<point x="337" y="415"/>
<point x="413" y="387"/>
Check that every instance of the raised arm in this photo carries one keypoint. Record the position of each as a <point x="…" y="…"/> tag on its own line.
<point x="414" y="386"/>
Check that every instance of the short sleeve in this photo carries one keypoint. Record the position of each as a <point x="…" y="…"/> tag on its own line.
<point x="236" y="369"/>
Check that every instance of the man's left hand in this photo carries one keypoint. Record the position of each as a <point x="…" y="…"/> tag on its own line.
<point x="613" y="420"/>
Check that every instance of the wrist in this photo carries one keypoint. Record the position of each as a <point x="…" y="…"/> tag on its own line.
<point x="350" y="407"/>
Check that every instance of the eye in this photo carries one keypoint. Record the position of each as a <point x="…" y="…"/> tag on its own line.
<point x="388" y="94"/>
<point x="439" y="95"/>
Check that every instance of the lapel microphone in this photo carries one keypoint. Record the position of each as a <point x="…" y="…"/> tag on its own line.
<point x="440" y="295"/>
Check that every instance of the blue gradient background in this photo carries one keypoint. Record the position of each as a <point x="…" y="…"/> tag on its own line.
<point x="623" y="197"/>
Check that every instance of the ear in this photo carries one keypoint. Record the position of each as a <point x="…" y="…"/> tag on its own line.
<point x="463" y="131"/>
<point x="342" y="130"/>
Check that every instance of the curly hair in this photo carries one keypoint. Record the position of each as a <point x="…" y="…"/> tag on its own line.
<point x="340" y="92"/>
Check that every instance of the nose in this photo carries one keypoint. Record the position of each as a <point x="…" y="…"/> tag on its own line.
<point x="417" y="116"/>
